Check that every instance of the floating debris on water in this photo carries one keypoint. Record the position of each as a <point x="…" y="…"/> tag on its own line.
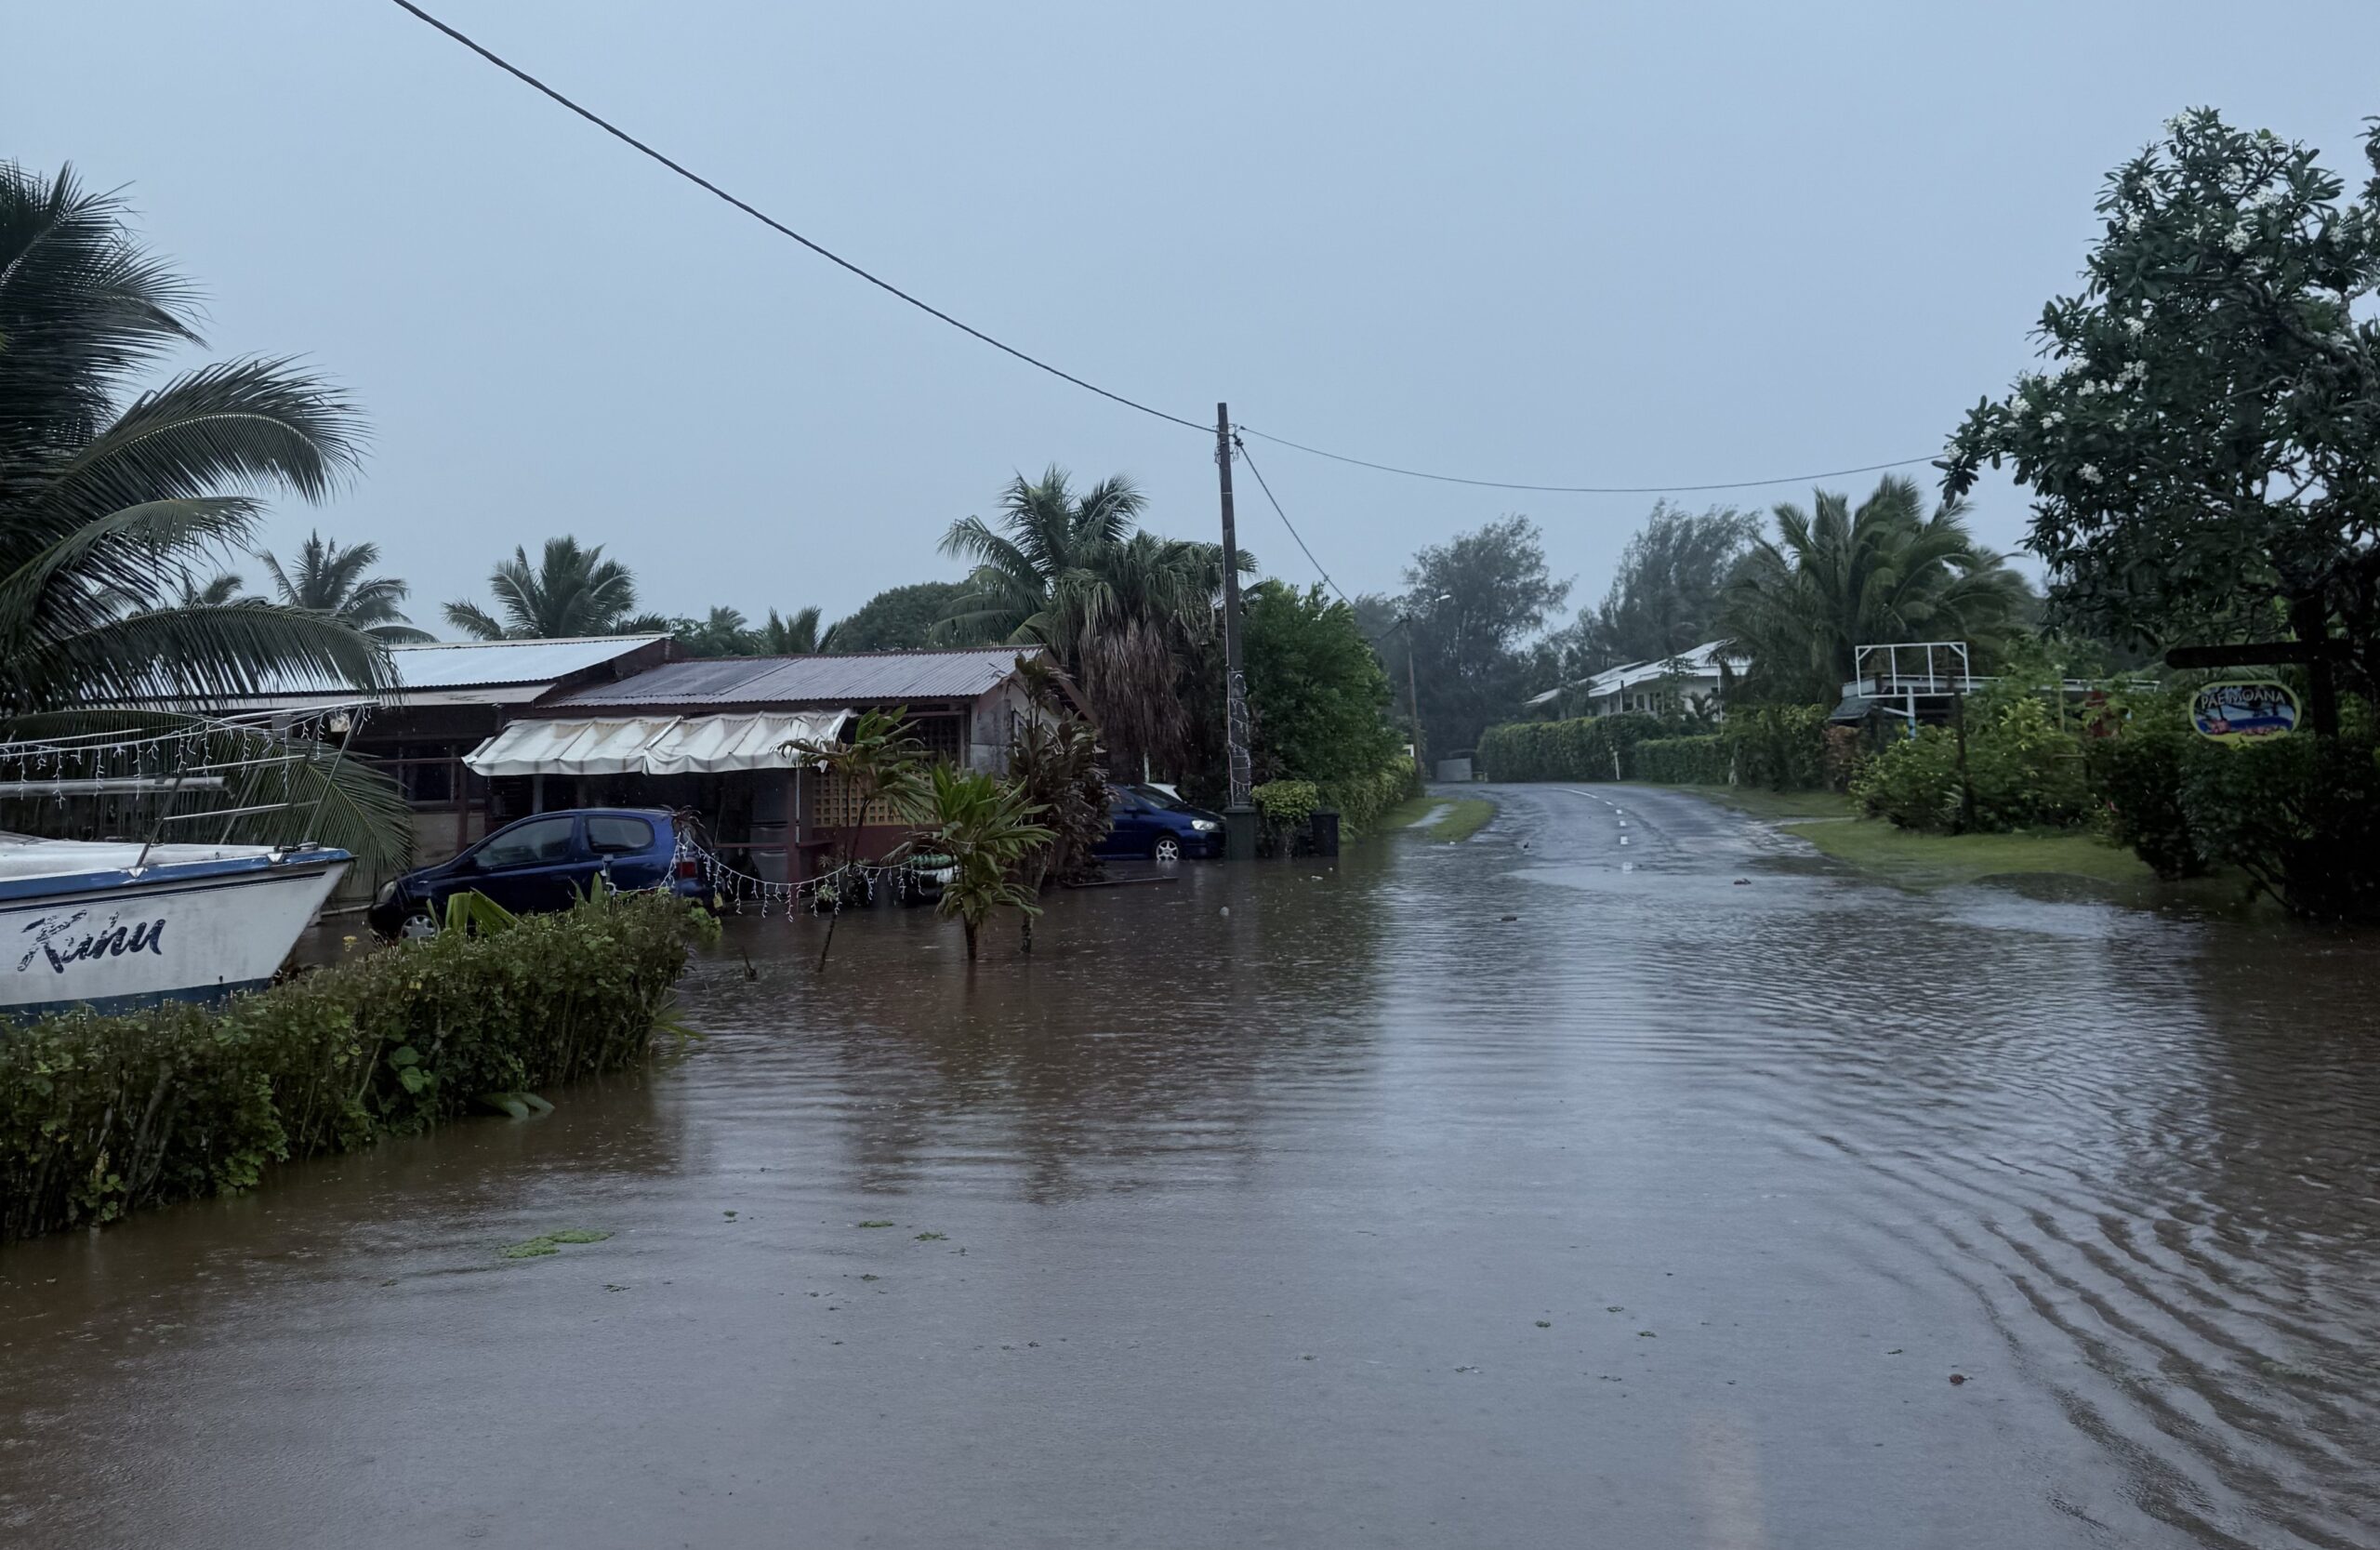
<point x="550" y="1243"/>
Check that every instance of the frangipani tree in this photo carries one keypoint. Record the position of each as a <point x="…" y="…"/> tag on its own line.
<point x="2204" y="453"/>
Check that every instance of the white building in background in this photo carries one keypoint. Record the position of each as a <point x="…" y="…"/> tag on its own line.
<point x="1688" y="680"/>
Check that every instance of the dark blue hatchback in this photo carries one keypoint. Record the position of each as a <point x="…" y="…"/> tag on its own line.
<point x="543" y="863"/>
<point x="1146" y="820"/>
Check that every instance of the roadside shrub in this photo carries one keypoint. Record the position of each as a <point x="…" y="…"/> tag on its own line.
<point x="1286" y="808"/>
<point x="1913" y="783"/>
<point x="1361" y="801"/>
<point x="101" y="1115"/>
<point x="1781" y="747"/>
<point x="2135" y="778"/>
<point x="1840" y="757"/>
<point x="1287" y="804"/>
<point x="2299" y="814"/>
<point x="1583" y="749"/>
<point x="2023" y="770"/>
<point x="1685" y="761"/>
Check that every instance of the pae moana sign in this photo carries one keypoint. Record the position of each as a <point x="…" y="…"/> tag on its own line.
<point x="2243" y="712"/>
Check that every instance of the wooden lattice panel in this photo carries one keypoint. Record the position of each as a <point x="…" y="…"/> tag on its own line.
<point x="939" y="734"/>
<point x="836" y="802"/>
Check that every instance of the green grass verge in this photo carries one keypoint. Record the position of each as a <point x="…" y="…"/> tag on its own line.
<point x="1465" y="817"/>
<point x="1470" y="815"/>
<point x="1762" y="803"/>
<point x="1915" y="860"/>
<point x="1912" y="860"/>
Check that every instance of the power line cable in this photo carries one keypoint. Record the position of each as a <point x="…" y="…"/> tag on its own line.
<point x="839" y="260"/>
<point x="1285" y="519"/>
<point x="773" y="224"/>
<point x="1404" y="621"/>
<point x="1580" y="489"/>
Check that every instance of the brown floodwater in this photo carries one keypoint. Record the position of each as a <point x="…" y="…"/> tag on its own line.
<point x="1716" y="1200"/>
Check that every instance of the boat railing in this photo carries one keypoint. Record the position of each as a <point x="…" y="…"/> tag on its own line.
<point x="252" y="759"/>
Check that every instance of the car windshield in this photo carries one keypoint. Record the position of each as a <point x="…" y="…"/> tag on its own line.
<point x="1166" y="800"/>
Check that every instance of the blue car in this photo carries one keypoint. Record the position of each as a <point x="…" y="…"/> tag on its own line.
<point x="544" y="863"/>
<point x="1145" y="820"/>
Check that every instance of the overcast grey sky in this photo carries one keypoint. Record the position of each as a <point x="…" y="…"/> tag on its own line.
<point x="1575" y="244"/>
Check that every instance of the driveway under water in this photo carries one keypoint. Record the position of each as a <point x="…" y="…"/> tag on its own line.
<point x="1716" y="1200"/>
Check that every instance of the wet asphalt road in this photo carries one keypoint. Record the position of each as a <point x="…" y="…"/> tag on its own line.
<point x="1296" y="1206"/>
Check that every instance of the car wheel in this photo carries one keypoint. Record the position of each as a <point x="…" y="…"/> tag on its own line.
<point x="1166" y="848"/>
<point x="419" y="926"/>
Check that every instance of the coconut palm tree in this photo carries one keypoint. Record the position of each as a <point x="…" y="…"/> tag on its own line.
<point x="1836" y="578"/>
<point x="798" y="636"/>
<point x="1124" y="611"/>
<point x="221" y="588"/>
<point x="1048" y="533"/>
<point x="111" y="495"/>
<point x="571" y="591"/>
<point x="331" y="579"/>
<point x="721" y="632"/>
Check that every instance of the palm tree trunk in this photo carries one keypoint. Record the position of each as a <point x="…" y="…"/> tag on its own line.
<point x="1034" y="872"/>
<point x="970" y="928"/>
<point x="850" y="854"/>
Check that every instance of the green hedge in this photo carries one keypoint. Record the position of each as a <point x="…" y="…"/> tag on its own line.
<point x="1781" y="747"/>
<point x="2135" y="778"/>
<point x="1360" y="802"/>
<point x="1584" y="748"/>
<point x="1703" y="761"/>
<point x="100" y="1115"/>
<point x="2299" y="814"/>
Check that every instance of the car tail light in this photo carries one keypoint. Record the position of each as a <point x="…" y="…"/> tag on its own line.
<point x="689" y="867"/>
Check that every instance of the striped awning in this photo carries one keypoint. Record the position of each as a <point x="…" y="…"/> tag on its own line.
<point x="653" y="745"/>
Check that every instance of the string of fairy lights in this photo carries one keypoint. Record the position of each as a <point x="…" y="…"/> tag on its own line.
<point x="169" y="755"/>
<point x="853" y="882"/>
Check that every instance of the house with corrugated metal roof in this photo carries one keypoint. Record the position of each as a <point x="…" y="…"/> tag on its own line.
<point x="1694" y="677"/>
<point x="710" y="736"/>
<point x="449" y="697"/>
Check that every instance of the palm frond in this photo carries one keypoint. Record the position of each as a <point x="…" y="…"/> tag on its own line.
<point x="474" y="621"/>
<point x="205" y="656"/>
<point x="77" y="575"/>
<point x="82" y="309"/>
<point x="256" y="424"/>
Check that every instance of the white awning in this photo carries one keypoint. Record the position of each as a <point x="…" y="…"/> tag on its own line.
<point x="652" y="744"/>
<point x="711" y="744"/>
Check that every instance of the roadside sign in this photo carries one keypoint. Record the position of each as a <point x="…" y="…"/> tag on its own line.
<point x="2243" y="712"/>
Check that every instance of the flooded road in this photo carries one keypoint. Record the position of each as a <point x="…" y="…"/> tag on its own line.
<point x="1714" y="1200"/>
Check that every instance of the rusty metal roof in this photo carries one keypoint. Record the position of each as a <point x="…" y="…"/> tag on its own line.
<point x="865" y="678"/>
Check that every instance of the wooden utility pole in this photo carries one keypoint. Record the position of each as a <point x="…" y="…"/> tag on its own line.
<point x="1959" y="719"/>
<point x="1413" y="698"/>
<point x="1240" y="817"/>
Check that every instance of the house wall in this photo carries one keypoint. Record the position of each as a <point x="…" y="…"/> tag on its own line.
<point x="1650" y="693"/>
<point x="992" y="725"/>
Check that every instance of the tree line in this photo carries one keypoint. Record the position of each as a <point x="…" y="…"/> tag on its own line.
<point x="2199" y="456"/>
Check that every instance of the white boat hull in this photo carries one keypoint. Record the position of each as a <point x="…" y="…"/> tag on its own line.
<point x="197" y="931"/>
